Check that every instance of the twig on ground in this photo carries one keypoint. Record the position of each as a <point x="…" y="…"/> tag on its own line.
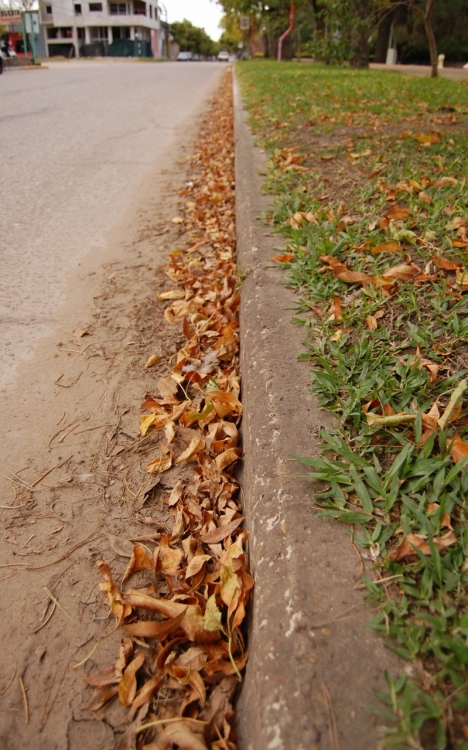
<point x="25" y="700"/>
<point x="49" y="616"/>
<point x="56" y="602"/>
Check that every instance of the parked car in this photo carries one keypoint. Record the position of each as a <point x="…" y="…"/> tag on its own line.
<point x="223" y="56"/>
<point x="185" y="56"/>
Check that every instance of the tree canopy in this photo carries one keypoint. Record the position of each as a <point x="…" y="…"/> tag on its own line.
<point x="354" y="30"/>
<point x="191" y="38"/>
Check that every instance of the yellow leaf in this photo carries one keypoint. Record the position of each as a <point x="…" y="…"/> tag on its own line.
<point x="151" y="361"/>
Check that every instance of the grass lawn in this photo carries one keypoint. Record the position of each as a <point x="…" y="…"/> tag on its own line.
<point x="369" y="176"/>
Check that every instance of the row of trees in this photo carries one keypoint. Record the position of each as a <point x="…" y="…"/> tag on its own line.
<point x="338" y="30"/>
<point x="191" y="38"/>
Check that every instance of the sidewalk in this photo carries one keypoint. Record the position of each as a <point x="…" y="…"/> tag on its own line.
<point x="314" y="663"/>
<point x="424" y="71"/>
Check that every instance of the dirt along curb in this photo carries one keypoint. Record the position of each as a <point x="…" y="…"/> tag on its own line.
<point x="314" y="663"/>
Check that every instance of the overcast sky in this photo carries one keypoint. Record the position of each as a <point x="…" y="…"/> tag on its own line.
<point x="204" y="13"/>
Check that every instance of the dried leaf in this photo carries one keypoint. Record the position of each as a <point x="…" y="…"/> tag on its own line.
<point x="121" y="545"/>
<point x="398" y="214"/>
<point x="147" y="692"/>
<point x="152" y="629"/>
<point x="181" y="735"/>
<point x="158" y="465"/>
<point x="226" y="458"/>
<point x="403" y="272"/>
<point x="139" y="560"/>
<point x="151" y="361"/>
<point x="119" y="606"/>
<point x="456" y="400"/>
<point x="375" y="420"/>
<point x="170" y="558"/>
<point x="171" y="294"/>
<point x="128" y="683"/>
<point x="386" y="247"/>
<point x="196" y="445"/>
<point x="445" y="263"/>
<point x="166" y="386"/>
<point x="217" y="535"/>
<point x="213" y="615"/>
<point x="458" y="449"/>
<point x="283" y="258"/>
<point x="406" y="547"/>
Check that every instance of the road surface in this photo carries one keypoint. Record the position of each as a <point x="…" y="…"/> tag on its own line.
<point x="93" y="156"/>
<point x="75" y="142"/>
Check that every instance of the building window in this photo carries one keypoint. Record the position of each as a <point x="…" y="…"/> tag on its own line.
<point x="139" y="8"/>
<point x="99" y="33"/>
<point x="77" y="9"/>
<point x="120" y="32"/>
<point x="48" y="10"/>
<point x="118" y="9"/>
<point x="52" y="33"/>
<point x="96" y="7"/>
<point x="81" y="34"/>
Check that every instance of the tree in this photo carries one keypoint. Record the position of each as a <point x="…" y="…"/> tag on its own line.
<point x="191" y="38"/>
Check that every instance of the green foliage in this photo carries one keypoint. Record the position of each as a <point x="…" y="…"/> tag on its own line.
<point x="190" y="38"/>
<point x="385" y="480"/>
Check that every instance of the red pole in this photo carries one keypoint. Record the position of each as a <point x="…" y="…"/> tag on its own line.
<point x="285" y="33"/>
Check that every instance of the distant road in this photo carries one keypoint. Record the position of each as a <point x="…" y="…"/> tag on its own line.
<point x="75" y="142"/>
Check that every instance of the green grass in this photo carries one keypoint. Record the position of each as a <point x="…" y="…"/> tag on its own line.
<point x="384" y="348"/>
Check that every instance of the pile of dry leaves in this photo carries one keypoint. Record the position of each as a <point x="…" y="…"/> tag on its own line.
<point x="183" y="650"/>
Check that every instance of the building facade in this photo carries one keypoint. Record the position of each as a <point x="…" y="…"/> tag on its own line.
<point x="89" y="28"/>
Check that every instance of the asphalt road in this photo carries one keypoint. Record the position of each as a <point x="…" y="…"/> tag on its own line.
<point x="76" y="140"/>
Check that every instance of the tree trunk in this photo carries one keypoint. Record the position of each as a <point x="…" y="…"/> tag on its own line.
<point x="383" y="37"/>
<point x="319" y="20"/>
<point x="431" y="37"/>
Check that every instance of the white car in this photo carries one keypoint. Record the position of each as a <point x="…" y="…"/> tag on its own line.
<point x="184" y="56"/>
<point x="223" y="56"/>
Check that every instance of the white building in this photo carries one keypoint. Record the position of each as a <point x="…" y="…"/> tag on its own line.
<point x="100" y="27"/>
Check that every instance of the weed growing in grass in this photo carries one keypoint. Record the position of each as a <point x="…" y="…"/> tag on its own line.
<point x="369" y="177"/>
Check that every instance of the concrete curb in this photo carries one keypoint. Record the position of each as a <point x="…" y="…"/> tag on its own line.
<point x="308" y="634"/>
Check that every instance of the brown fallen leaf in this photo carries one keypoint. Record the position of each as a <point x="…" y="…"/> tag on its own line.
<point x="406" y="547"/>
<point x="193" y="622"/>
<point x="128" y="683"/>
<point x="403" y="272"/>
<point x="445" y="522"/>
<point x="372" y="320"/>
<point x="283" y="258"/>
<point x="169" y="557"/>
<point x="166" y="386"/>
<point x="153" y="629"/>
<point x="139" y="560"/>
<point x="386" y="247"/>
<point x="147" y="692"/>
<point x="445" y="263"/>
<point x="221" y="533"/>
<point x="119" y="606"/>
<point x="335" y="309"/>
<point x="158" y="465"/>
<point x="181" y="735"/>
<point x="398" y="213"/>
<point x="458" y="449"/>
<point x="196" y="445"/>
<point x="226" y="458"/>
<point x="460" y="243"/>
